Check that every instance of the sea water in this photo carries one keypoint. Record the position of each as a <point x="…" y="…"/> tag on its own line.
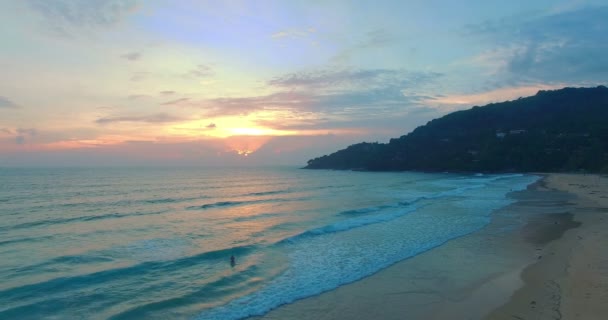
<point x="150" y="243"/>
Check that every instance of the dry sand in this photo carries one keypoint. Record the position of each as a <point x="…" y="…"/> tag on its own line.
<point x="543" y="257"/>
<point x="571" y="279"/>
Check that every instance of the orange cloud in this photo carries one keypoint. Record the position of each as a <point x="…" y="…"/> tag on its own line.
<point x="483" y="98"/>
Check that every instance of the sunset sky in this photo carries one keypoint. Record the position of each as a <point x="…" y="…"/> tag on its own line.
<point x="126" y="82"/>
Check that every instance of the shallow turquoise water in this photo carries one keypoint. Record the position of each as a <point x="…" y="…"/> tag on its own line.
<point x="156" y="243"/>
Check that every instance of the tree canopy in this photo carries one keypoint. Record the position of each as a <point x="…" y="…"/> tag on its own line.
<point x="552" y="131"/>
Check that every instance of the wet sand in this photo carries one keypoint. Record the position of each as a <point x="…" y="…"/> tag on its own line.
<point x="571" y="280"/>
<point x="542" y="257"/>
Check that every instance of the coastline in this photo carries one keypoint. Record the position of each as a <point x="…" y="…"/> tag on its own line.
<point x="494" y="273"/>
<point x="571" y="279"/>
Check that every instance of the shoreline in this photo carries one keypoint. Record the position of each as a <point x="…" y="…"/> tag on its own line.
<point x="487" y="274"/>
<point x="570" y="281"/>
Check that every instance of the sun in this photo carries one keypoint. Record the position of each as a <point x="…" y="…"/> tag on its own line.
<point x="245" y="145"/>
<point x="244" y="153"/>
<point x="241" y="135"/>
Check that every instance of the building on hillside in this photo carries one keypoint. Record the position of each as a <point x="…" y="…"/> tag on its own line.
<point x="518" y="131"/>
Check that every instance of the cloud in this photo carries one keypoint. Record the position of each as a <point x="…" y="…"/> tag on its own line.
<point x="293" y="33"/>
<point x="68" y="17"/>
<point x="343" y="79"/>
<point x="140" y="75"/>
<point x="374" y="128"/>
<point x="341" y="92"/>
<point x="132" y="56"/>
<point x="201" y="71"/>
<point x="199" y="152"/>
<point x="372" y="39"/>
<point x="303" y="125"/>
<point x="29" y="132"/>
<point x="227" y="106"/>
<point x="137" y="96"/>
<point x="155" y="118"/>
<point x="279" y="35"/>
<point x="22" y="135"/>
<point x="375" y="39"/>
<point x="567" y="46"/>
<point x="457" y="101"/>
<point x="5" y="103"/>
<point x="175" y="102"/>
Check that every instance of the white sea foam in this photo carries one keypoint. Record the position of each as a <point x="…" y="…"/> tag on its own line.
<point x="131" y="249"/>
<point x="325" y="258"/>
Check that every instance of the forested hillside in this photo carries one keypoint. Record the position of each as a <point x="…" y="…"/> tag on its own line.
<point x="552" y="131"/>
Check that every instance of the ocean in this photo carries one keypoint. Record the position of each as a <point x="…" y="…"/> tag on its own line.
<point x="156" y="243"/>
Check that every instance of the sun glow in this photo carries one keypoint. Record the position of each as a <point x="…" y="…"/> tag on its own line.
<point x="259" y="131"/>
<point x="239" y="135"/>
<point x="245" y="145"/>
<point x="249" y="131"/>
<point x="243" y="152"/>
<point x="223" y="127"/>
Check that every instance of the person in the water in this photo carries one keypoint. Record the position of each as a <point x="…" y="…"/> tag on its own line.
<point x="232" y="261"/>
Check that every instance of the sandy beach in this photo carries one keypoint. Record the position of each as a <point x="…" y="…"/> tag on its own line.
<point x="542" y="257"/>
<point x="571" y="279"/>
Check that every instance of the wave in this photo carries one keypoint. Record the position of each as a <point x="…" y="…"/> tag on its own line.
<point x="62" y="260"/>
<point x="350" y="224"/>
<point x="170" y="200"/>
<point x="224" y="286"/>
<point x="28" y="239"/>
<point x="355" y="212"/>
<point x="220" y="204"/>
<point x="266" y="193"/>
<point x="408" y="207"/>
<point x="257" y="216"/>
<point x="151" y="278"/>
<point x="63" y="284"/>
<point x="46" y="303"/>
<point x="325" y="258"/>
<point x="119" y="203"/>
<point x="437" y="195"/>
<point x="48" y="222"/>
<point x="303" y="280"/>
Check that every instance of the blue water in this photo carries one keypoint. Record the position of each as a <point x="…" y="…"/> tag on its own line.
<point x="156" y="243"/>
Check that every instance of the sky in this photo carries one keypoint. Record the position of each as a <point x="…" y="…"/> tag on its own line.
<point x="248" y="83"/>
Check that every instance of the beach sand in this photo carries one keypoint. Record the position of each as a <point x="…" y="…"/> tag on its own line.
<point x="571" y="280"/>
<point x="542" y="257"/>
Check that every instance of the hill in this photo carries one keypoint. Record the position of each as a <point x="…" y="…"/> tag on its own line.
<point x="552" y="131"/>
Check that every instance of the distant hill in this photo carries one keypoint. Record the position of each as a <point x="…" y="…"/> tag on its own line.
<point x="552" y="131"/>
